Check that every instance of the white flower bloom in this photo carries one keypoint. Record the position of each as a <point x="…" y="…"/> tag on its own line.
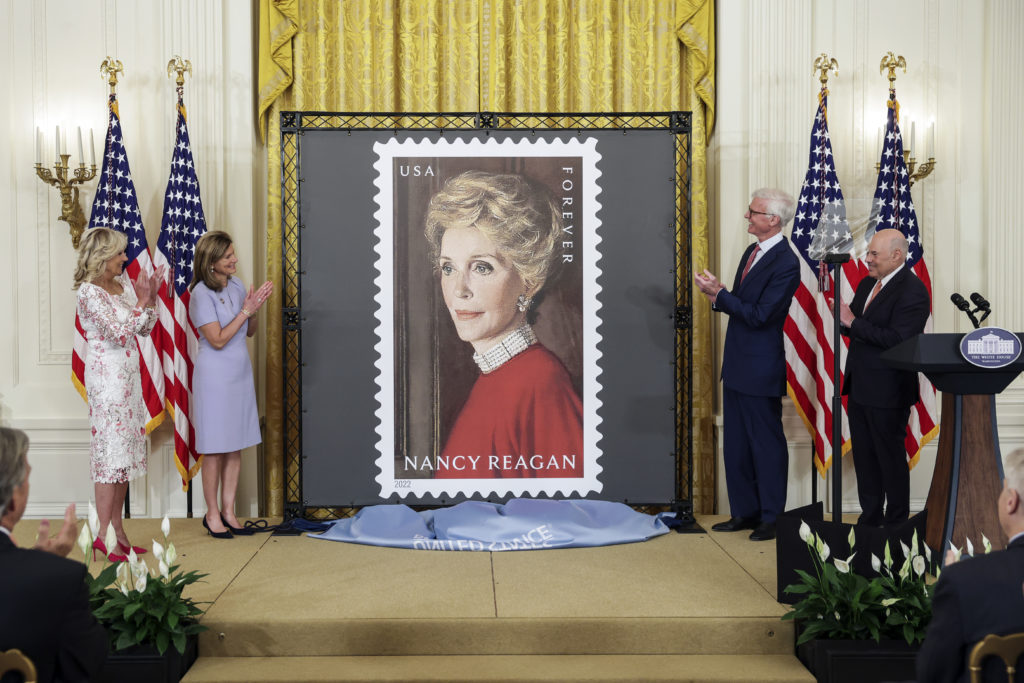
<point x="164" y="569"/>
<point x="132" y="557"/>
<point x="905" y="569"/>
<point x="850" y="538"/>
<point x="876" y="563"/>
<point x="986" y="544"/>
<point x="94" y="520"/>
<point x="122" y="572"/>
<point x="170" y="555"/>
<point x="888" y="602"/>
<point x="914" y="552"/>
<point x="123" y="587"/>
<point x="85" y="541"/>
<point x="158" y="550"/>
<point x="843" y="567"/>
<point x="970" y="548"/>
<point x="888" y="556"/>
<point x="956" y="552"/>
<point x="165" y="527"/>
<point x="111" y="538"/>
<point x="919" y="565"/>
<point x="140" y="582"/>
<point x="805" y="533"/>
<point x="928" y="553"/>
<point x="905" y="549"/>
<point x="823" y="551"/>
<point x="836" y="615"/>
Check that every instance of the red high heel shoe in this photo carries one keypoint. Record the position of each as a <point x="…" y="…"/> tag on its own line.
<point x="113" y="557"/>
<point x="127" y="549"/>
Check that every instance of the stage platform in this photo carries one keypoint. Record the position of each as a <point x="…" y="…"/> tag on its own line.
<point x="681" y="607"/>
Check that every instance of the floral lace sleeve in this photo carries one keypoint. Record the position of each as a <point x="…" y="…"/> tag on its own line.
<point x="113" y="316"/>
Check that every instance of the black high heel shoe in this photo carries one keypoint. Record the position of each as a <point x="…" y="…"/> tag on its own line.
<point x="215" y="534"/>
<point x="235" y="530"/>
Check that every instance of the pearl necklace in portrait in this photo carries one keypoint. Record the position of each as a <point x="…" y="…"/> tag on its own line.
<point x="517" y="341"/>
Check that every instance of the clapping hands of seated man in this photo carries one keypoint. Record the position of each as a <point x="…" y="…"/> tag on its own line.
<point x="64" y="541"/>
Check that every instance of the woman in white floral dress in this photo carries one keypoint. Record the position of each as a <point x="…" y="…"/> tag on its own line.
<point x="112" y="312"/>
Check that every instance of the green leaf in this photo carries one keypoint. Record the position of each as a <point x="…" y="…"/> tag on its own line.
<point x="908" y="633"/>
<point x="163" y="639"/>
<point x="179" y="643"/>
<point x="125" y="640"/>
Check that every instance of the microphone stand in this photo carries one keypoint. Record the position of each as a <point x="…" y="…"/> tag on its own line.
<point x="837" y="400"/>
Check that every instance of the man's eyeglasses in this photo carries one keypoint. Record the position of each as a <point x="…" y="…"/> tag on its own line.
<point x="763" y="213"/>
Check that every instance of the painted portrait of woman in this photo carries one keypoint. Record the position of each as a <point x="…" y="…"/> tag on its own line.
<point x="493" y="240"/>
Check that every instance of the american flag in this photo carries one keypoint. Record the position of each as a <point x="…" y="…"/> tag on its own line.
<point x="116" y="206"/>
<point x="894" y="208"/>
<point x="819" y="227"/>
<point x="183" y="223"/>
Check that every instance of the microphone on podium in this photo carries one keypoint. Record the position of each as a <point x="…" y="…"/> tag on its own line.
<point x="982" y="305"/>
<point x="964" y="306"/>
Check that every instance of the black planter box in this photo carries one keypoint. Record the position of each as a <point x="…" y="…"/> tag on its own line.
<point x="792" y="554"/>
<point x="144" y="663"/>
<point x="858" y="661"/>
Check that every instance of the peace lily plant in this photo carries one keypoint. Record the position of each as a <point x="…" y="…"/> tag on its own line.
<point x="137" y="605"/>
<point x="838" y="603"/>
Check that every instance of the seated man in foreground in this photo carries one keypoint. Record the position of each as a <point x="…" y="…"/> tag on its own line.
<point x="44" y="603"/>
<point x="979" y="595"/>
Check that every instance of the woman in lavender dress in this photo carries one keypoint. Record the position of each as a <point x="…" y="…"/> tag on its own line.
<point x="225" y="415"/>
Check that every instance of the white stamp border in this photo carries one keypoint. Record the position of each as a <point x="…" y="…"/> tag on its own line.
<point x="586" y="150"/>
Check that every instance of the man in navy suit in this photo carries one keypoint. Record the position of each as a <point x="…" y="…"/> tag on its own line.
<point x="978" y="596"/>
<point x="754" y="366"/>
<point x="889" y="307"/>
<point x="44" y="603"/>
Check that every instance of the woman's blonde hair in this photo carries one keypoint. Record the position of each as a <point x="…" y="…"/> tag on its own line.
<point x="98" y="246"/>
<point x="519" y="217"/>
<point x="210" y="248"/>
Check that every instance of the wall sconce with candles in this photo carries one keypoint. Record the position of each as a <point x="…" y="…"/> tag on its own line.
<point x="891" y="62"/>
<point x="70" y="208"/>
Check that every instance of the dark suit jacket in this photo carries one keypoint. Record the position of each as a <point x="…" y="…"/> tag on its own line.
<point x="899" y="312"/>
<point x="44" y="612"/>
<point x="754" y="361"/>
<point x="974" y="597"/>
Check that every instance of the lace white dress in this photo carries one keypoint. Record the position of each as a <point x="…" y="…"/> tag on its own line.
<point x="113" y="381"/>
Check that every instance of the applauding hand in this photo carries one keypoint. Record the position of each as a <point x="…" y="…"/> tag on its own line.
<point x="255" y="299"/>
<point x="146" y="286"/>
<point x="64" y="541"/>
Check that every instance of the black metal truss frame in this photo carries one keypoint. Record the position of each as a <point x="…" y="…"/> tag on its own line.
<point x="294" y="123"/>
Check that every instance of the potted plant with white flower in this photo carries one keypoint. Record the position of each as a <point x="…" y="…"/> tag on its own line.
<point x="153" y="626"/>
<point x="856" y="628"/>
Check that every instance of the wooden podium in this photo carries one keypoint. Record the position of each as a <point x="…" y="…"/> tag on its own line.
<point x="968" y="473"/>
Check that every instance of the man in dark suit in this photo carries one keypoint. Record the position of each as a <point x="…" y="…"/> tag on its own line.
<point x="980" y="595"/>
<point x="44" y="603"/>
<point x="754" y="366"/>
<point x="889" y="307"/>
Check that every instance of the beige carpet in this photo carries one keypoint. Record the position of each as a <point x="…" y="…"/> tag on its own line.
<point x="685" y="606"/>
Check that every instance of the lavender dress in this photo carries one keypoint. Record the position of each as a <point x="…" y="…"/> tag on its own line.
<point x="223" y="390"/>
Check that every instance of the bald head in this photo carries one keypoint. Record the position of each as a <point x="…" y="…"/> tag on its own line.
<point x="886" y="252"/>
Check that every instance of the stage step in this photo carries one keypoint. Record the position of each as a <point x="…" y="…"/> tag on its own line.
<point x="264" y="635"/>
<point x="492" y="668"/>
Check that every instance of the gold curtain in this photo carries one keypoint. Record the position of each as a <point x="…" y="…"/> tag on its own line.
<point x="488" y="55"/>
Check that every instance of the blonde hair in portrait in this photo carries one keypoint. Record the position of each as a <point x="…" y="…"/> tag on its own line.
<point x="98" y="246"/>
<point x="210" y="248"/>
<point x="517" y="216"/>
